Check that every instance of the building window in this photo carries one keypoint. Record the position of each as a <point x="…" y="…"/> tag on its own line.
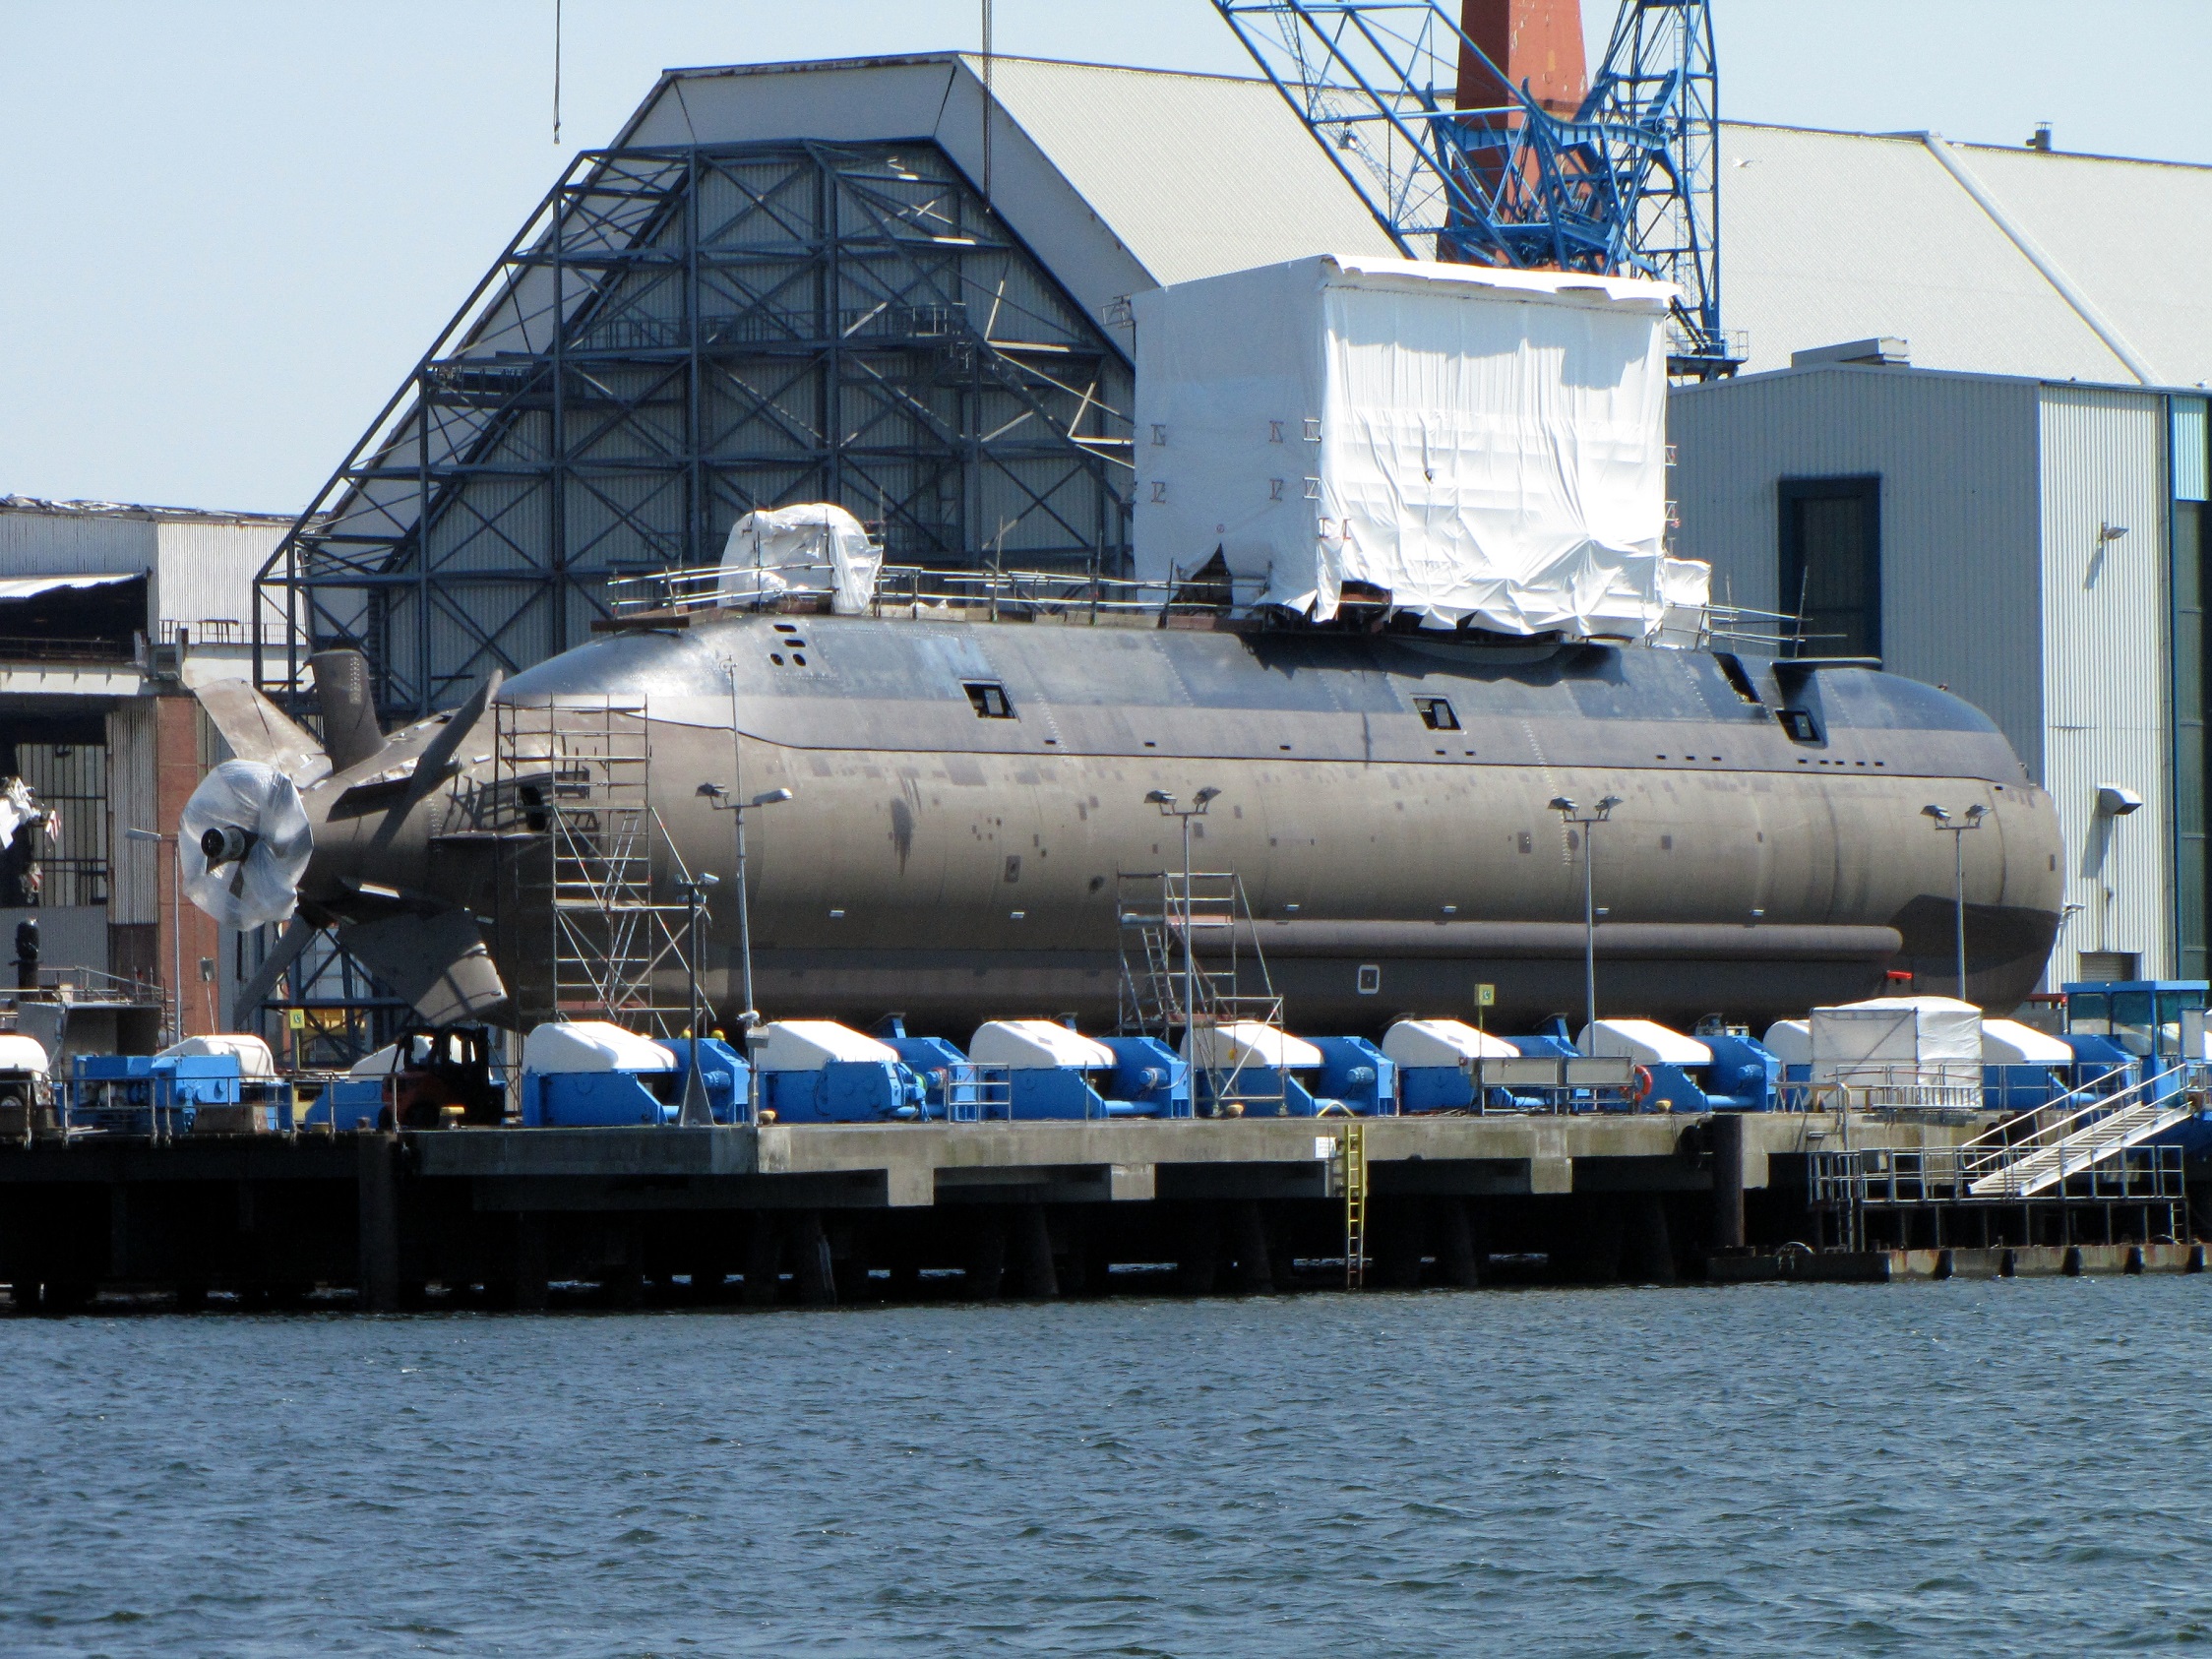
<point x="1831" y="565"/>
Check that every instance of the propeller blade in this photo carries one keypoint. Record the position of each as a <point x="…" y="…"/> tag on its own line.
<point x="290" y="943"/>
<point x="258" y="730"/>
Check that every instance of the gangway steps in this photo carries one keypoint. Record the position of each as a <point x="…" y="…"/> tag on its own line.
<point x="2037" y="1168"/>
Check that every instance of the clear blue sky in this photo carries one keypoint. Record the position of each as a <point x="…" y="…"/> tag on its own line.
<point x="232" y="225"/>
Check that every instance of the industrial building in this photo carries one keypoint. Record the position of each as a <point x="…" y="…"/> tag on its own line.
<point x="1984" y="461"/>
<point x="110" y="616"/>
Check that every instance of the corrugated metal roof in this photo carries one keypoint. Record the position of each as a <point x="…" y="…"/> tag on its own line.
<point x="1825" y="236"/>
<point x="1119" y="179"/>
<point x="1838" y="236"/>
<point x="2137" y="236"/>
<point x="1196" y="175"/>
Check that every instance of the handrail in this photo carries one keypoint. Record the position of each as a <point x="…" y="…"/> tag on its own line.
<point x="912" y="588"/>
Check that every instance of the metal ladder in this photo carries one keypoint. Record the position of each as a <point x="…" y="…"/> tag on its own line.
<point x="576" y="776"/>
<point x="1351" y="1165"/>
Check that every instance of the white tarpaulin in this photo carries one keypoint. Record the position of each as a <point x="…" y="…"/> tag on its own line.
<point x="818" y="548"/>
<point x="1481" y="445"/>
<point x="1936" y="1038"/>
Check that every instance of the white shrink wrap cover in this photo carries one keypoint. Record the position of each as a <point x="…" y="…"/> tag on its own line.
<point x="1790" y="1041"/>
<point x="1484" y="445"/>
<point x="1420" y="1043"/>
<point x="1644" y="1041"/>
<point x="590" y="1045"/>
<point x="1247" y="1042"/>
<point x="807" y="1045"/>
<point x="380" y="1063"/>
<point x="251" y="1052"/>
<point x="1037" y="1045"/>
<point x="815" y="548"/>
<point x="22" y="1054"/>
<point x="264" y="885"/>
<point x="2007" y="1042"/>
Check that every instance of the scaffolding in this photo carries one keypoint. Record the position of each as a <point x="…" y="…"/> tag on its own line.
<point x="1169" y="919"/>
<point x="584" y="858"/>
<point x="677" y="336"/>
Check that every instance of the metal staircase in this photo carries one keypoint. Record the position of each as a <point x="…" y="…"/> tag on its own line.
<point x="2047" y="1150"/>
<point x="583" y="847"/>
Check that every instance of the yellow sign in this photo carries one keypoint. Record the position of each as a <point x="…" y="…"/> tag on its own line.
<point x="296" y="1019"/>
<point x="1486" y="996"/>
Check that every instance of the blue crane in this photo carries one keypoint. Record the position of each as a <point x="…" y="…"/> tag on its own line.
<point x="1627" y="185"/>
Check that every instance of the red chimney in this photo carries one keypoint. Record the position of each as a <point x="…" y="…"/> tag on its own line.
<point x="1539" y="41"/>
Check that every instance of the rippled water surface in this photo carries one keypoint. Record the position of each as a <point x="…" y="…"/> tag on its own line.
<point x="1929" y="1469"/>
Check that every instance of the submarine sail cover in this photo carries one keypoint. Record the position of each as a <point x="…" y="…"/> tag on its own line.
<point x="1482" y="445"/>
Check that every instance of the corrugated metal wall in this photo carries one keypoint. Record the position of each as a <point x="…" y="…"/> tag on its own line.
<point x="2104" y="665"/>
<point x="204" y="573"/>
<point x="33" y="543"/>
<point x="1959" y="550"/>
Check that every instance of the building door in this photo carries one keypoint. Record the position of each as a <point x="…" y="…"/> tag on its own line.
<point x="1831" y="565"/>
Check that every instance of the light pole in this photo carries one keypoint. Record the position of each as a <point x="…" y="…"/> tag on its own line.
<point x="737" y="810"/>
<point x="1570" y="813"/>
<point x="176" y="926"/>
<point x="695" y="1109"/>
<point x="1165" y="801"/>
<point x="1958" y="829"/>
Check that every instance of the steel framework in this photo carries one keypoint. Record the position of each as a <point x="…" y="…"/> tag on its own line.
<point x="1628" y="185"/>
<point x="677" y="336"/>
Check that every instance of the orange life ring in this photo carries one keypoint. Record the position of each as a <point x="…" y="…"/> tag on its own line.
<point x="1644" y="1084"/>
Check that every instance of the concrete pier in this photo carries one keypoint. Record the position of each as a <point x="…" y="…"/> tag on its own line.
<point x="825" y="1215"/>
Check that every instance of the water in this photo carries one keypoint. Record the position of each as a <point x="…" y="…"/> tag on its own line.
<point x="1929" y="1469"/>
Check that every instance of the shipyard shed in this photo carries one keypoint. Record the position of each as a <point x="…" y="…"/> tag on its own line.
<point x="1971" y="441"/>
<point x="2034" y="544"/>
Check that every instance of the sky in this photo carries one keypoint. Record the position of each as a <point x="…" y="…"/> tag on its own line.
<point x="231" y="226"/>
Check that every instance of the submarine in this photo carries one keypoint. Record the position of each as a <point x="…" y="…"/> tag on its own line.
<point x="967" y="796"/>
<point x="1430" y="623"/>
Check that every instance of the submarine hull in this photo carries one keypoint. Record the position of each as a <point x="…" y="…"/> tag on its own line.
<point x="968" y="797"/>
